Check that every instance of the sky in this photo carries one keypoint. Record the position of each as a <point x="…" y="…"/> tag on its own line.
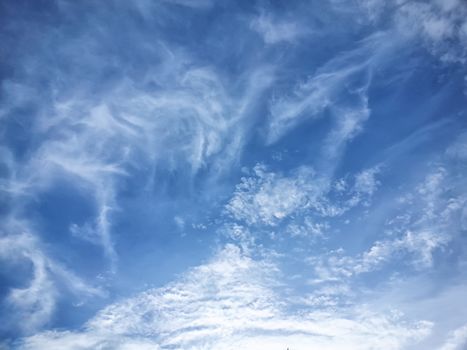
<point x="221" y="174"/>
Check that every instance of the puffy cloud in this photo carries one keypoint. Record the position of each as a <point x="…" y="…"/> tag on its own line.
<point x="268" y="198"/>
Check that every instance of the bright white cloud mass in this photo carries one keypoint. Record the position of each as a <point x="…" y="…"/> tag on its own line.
<point x="233" y="174"/>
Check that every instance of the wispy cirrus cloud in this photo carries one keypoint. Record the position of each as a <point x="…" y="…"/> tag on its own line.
<point x="348" y="74"/>
<point x="94" y="132"/>
<point x="35" y="303"/>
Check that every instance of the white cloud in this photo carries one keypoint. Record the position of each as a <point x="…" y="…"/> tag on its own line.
<point x="275" y="31"/>
<point x="95" y="134"/>
<point x="338" y="89"/>
<point x="88" y="340"/>
<point x="438" y="23"/>
<point x="96" y="145"/>
<point x="228" y="303"/>
<point x="198" y="121"/>
<point x="34" y="305"/>
<point x="420" y="244"/>
<point x="339" y="86"/>
<point x="373" y="8"/>
<point x="431" y="216"/>
<point x="308" y="228"/>
<point x="191" y="3"/>
<point x="268" y="198"/>
<point x="457" y="340"/>
<point x="349" y="123"/>
<point x="458" y="149"/>
<point x="366" y="182"/>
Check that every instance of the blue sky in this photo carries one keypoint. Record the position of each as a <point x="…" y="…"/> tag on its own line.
<point x="200" y="174"/>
